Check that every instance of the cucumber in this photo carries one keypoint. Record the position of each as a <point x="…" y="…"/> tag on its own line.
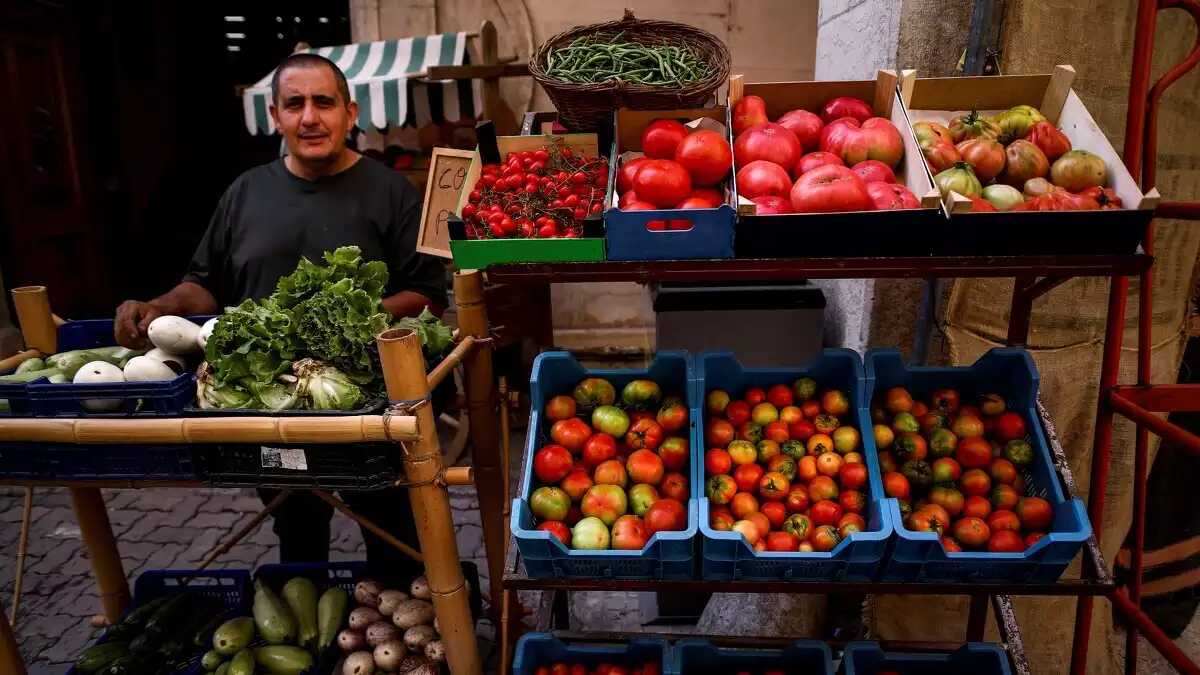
<point x="203" y="637"/>
<point x="211" y="660"/>
<point x="122" y="632"/>
<point x="143" y="644"/>
<point x="170" y="614"/>
<point x="242" y="663"/>
<point x="140" y="615"/>
<point x="97" y="657"/>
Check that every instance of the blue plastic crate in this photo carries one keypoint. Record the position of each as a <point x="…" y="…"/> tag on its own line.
<point x="919" y="556"/>
<point x="698" y="656"/>
<point x="535" y="650"/>
<point x="230" y="587"/>
<point x="627" y="238"/>
<point x="976" y="658"/>
<point x="138" y="399"/>
<point x="99" y="462"/>
<point x="727" y="555"/>
<point x="668" y="555"/>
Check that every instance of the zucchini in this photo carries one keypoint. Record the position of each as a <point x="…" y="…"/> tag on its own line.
<point x="97" y="657"/>
<point x="211" y="660"/>
<point x="143" y="644"/>
<point x="29" y="375"/>
<point x="29" y="365"/>
<point x="122" y="632"/>
<point x="170" y="614"/>
<point x="140" y="615"/>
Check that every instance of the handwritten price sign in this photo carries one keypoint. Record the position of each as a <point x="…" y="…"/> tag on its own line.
<point x="447" y="174"/>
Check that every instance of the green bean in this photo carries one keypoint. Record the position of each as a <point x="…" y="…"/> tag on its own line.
<point x="590" y="59"/>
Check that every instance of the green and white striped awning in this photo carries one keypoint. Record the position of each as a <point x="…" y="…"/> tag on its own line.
<point x="378" y="73"/>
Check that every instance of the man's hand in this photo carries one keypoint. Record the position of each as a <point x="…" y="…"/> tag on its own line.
<point x="132" y="320"/>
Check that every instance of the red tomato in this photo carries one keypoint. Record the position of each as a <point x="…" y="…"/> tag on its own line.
<point x="976" y="507"/>
<point x="981" y="205"/>
<point x="780" y="396"/>
<point x="552" y="463"/>
<point x="782" y="541"/>
<point x="571" y="434"/>
<point x="662" y="182"/>
<point x="895" y="485"/>
<point x="891" y="196"/>
<point x="628" y="197"/>
<point x="693" y="203"/>
<point x="644" y="433"/>
<point x="775" y="512"/>
<point x="950" y="545"/>
<point x="716" y="461"/>
<point x="984" y="155"/>
<point x="1105" y="198"/>
<point x="876" y="138"/>
<point x="874" y="171"/>
<point x="737" y="412"/>
<point x="1023" y="161"/>
<point x="1010" y="427"/>
<point x="814" y="159"/>
<point x="766" y="206"/>
<point x="825" y="512"/>
<point x="805" y="125"/>
<point x="939" y="153"/>
<point x="825" y="538"/>
<point x="599" y="448"/>
<point x="706" y="156"/>
<point x="797" y="499"/>
<point x="1004" y="520"/>
<point x="639" y="206"/>
<point x="970" y="532"/>
<point x="714" y="197"/>
<point x="627" y="172"/>
<point x="1058" y="201"/>
<point x="665" y="514"/>
<point x="662" y="137"/>
<point x="746" y="477"/>
<point x="853" y="475"/>
<point x="1052" y="142"/>
<point x="558" y="530"/>
<point x="846" y="106"/>
<point x="768" y="142"/>
<point x="763" y="179"/>
<point x="1005" y="541"/>
<point x="747" y="112"/>
<point x="1033" y="538"/>
<point x="829" y="189"/>
<point x="1035" y="513"/>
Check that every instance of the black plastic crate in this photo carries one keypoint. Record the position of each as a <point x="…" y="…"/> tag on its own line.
<point x="98" y="462"/>
<point x="348" y="466"/>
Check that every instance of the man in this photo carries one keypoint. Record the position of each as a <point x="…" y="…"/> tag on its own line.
<point x="320" y="196"/>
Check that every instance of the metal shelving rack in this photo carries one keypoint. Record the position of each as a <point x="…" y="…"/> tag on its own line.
<point x="1034" y="276"/>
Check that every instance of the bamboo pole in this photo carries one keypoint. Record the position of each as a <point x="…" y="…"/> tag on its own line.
<point x="17" y="359"/>
<point x="383" y="534"/>
<point x="21" y="544"/>
<point x="404" y="374"/>
<point x="349" y="429"/>
<point x="92" y="517"/>
<point x="37" y="322"/>
<point x="490" y="477"/>
<point x="448" y="364"/>
<point x="10" y="654"/>
<point x="246" y="529"/>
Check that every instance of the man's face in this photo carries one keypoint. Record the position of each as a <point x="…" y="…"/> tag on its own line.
<point x="311" y="114"/>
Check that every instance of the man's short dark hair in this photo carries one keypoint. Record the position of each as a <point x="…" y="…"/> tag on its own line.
<point x="309" y="60"/>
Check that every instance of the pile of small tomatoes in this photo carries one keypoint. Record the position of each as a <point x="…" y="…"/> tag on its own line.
<point x="615" y="472"/>
<point x="840" y="160"/>
<point x="783" y="469"/>
<point x="680" y="169"/>
<point x="538" y="194"/>
<point x="959" y="470"/>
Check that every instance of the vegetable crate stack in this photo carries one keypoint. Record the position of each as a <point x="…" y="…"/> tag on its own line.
<point x="531" y="199"/>
<point x="1023" y="168"/>
<point x="173" y="620"/>
<point x="307" y="349"/>
<point x="837" y="173"/>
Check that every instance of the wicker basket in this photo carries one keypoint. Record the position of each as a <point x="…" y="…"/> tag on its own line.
<point x="581" y="106"/>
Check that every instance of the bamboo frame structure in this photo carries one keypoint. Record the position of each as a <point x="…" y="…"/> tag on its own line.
<point x="491" y="475"/>
<point x="348" y="429"/>
<point x="37" y="321"/>
<point x="21" y="545"/>
<point x="448" y="364"/>
<point x="403" y="370"/>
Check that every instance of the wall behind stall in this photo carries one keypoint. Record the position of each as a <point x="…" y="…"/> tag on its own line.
<point x="769" y="40"/>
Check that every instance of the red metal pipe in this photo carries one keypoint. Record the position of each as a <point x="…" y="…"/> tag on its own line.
<point x="1162" y="397"/>
<point x="1180" y="210"/>
<point x="1101" y="451"/>
<point x="1139" y="87"/>
<point x="1158" y="425"/>
<point x="1141" y="459"/>
<point x="1150" y="152"/>
<point x="1154" y="635"/>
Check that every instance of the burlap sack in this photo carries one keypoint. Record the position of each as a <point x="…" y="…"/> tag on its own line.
<point x="1067" y="330"/>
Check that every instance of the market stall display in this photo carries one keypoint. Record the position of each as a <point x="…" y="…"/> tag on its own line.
<point x="971" y="486"/>
<point x="669" y="195"/>
<point x="835" y="150"/>
<point x="868" y="658"/>
<point x="538" y="654"/>
<point x="1024" y="144"/>
<point x="696" y="656"/>
<point x="607" y="489"/>
<point x="792" y="489"/>
<point x="590" y="71"/>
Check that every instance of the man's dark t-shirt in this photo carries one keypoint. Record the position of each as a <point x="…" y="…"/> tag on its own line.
<point x="269" y="218"/>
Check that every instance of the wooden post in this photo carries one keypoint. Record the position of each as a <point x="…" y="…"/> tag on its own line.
<point x="491" y="478"/>
<point x="37" y="322"/>
<point x="10" y="655"/>
<point x="92" y="516"/>
<point x="404" y="374"/>
<point x="494" y="108"/>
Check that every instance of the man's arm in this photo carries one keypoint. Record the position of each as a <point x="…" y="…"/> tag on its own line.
<point x="418" y="279"/>
<point x="134" y="317"/>
<point x="410" y="303"/>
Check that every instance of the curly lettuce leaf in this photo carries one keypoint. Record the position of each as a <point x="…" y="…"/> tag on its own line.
<point x="339" y="325"/>
<point x="435" y="336"/>
<point x="251" y="340"/>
